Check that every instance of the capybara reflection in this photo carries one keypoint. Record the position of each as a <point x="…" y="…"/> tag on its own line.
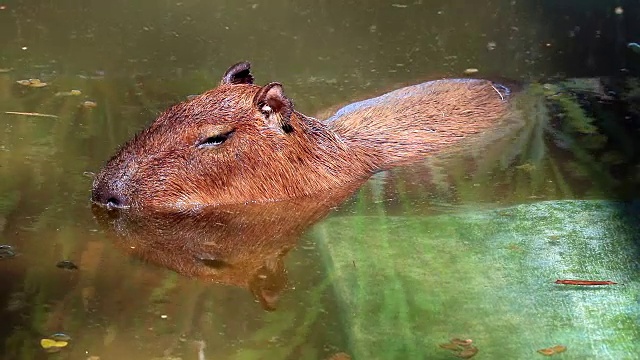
<point x="242" y="245"/>
<point x="241" y="142"/>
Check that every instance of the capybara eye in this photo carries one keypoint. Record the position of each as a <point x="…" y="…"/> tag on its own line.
<point x="214" y="141"/>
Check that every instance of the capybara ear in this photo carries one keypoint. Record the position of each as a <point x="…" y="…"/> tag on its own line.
<point x="239" y="73"/>
<point x="275" y="106"/>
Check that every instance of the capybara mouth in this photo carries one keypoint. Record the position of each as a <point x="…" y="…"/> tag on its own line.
<point x="102" y="212"/>
<point x="111" y="204"/>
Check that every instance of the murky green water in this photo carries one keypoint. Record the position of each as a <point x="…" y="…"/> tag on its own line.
<point x="130" y="60"/>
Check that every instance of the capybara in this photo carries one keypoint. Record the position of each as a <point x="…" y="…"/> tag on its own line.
<point x="241" y="142"/>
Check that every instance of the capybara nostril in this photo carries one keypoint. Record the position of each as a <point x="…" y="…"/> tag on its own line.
<point x="110" y="200"/>
<point x="115" y="203"/>
<point x="105" y="193"/>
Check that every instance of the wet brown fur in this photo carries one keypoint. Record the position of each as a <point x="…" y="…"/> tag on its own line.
<point x="415" y="121"/>
<point x="280" y="153"/>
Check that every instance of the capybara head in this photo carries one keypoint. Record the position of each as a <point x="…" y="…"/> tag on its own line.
<point x="236" y="143"/>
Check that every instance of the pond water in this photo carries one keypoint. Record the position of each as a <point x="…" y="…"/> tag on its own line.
<point x="108" y="68"/>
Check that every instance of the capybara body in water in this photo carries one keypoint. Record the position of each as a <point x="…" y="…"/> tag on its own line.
<point x="243" y="143"/>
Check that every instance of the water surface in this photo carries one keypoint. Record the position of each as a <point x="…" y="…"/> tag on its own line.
<point x="134" y="59"/>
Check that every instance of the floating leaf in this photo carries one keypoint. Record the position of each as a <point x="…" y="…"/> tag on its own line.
<point x="450" y="346"/>
<point x="50" y="343"/>
<point x="461" y="348"/>
<point x="36" y="83"/>
<point x="69" y="93"/>
<point x="559" y="348"/>
<point x="468" y="353"/>
<point x="47" y="343"/>
<point x="546" y="352"/>
<point x="463" y="342"/>
<point x="553" y="350"/>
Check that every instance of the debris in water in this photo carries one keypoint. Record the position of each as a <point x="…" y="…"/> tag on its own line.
<point x="67" y="265"/>
<point x="585" y="282"/>
<point x="527" y="167"/>
<point x="73" y="92"/>
<point x="468" y="352"/>
<point x="461" y="348"/>
<point x="31" y="114"/>
<point x="6" y="252"/>
<point x="461" y="342"/>
<point x="17" y="301"/>
<point x="36" y="83"/>
<point x="635" y="47"/>
<point x="470" y="71"/>
<point x="340" y="356"/>
<point x="5" y="70"/>
<point x="553" y="350"/>
<point x="53" y="345"/>
<point x="89" y="104"/>
<point x="546" y="352"/>
<point x="201" y="346"/>
<point x="450" y="346"/>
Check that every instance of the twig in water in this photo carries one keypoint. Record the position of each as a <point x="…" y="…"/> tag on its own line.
<point x="585" y="282"/>
<point x="30" y="114"/>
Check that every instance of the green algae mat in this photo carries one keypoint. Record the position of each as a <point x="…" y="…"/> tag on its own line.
<point x="408" y="285"/>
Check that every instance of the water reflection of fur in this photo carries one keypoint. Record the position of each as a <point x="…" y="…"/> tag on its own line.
<point x="238" y="245"/>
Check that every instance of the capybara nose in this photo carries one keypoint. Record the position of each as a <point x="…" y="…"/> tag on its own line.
<point x="107" y="194"/>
